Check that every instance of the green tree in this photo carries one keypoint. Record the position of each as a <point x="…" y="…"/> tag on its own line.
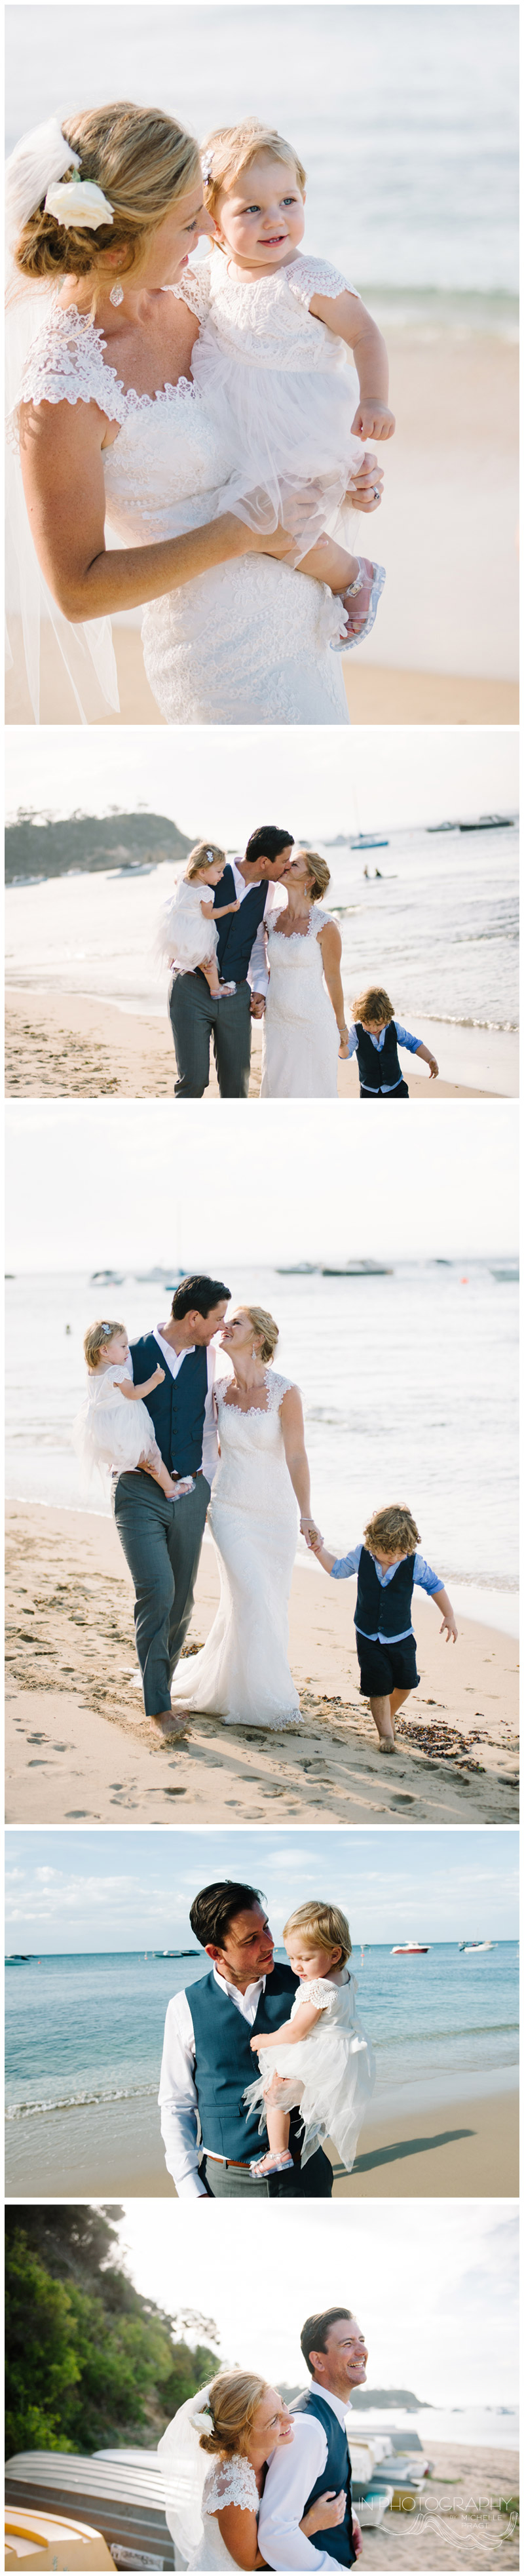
<point x="90" y="2363"/>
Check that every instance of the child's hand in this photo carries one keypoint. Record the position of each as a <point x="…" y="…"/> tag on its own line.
<point x="158" y="1379"/>
<point x="316" y="1544"/>
<point x="310" y="1532"/>
<point x="373" y="419"/>
<point x="233" y="907"/>
<point x="433" y="1067"/>
<point x="344" y="1044"/>
<point x="449" y="1628"/>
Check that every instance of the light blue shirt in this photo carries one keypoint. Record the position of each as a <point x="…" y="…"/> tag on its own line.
<point x="423" y="1574"/>
<point x="404" y="1039"/>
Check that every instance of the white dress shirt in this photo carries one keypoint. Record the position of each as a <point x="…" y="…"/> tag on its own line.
<point x="258" y="971"/>
<point x="178" y="2095"/>
<point x="291" y="2475"/>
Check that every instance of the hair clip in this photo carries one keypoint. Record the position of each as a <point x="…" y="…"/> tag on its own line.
<point x="78" y="202"/>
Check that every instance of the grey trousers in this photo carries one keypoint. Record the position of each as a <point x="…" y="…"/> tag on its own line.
<point x="313" y="2181"/>
<point x="162" y="1543"/>
<point x="195" y="1019"/>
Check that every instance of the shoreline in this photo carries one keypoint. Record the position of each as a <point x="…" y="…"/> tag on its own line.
<point x="455" y="2148"/>
<point x="70" y="1655"/>
<point x="68" y="1045"/>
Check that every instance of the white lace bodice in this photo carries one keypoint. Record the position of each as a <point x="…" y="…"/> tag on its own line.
<point x="246" y="643"/>
<point x="227" y="2482"/>
<point x="266" y="322"/>
<point x="252" y="1473"/>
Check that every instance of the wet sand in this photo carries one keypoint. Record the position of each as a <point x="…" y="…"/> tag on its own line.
<point x="78" y="1748"/>
<point x="65" y="1046"/>
<point x="102" y="2150"/>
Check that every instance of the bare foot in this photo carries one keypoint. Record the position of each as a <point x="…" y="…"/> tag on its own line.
<point x="386" y="1744"/>
<point x="170" y="1723"/>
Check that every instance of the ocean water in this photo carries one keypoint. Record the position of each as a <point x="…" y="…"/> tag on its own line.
<point x="439" y="927"/>
<point x="406" y="119"/>
<point x="477" y="2428"/>
<point x="408" y="1383"/>
<point x="88" y="2030"/>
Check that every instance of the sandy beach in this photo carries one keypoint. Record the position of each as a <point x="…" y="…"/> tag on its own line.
<point x="436" y="656"/>
<point x="454" y="2149"/>
<point x="455" y="2522"/>
<point x="78" y="1748"/>
<point x="62" y="1045"/>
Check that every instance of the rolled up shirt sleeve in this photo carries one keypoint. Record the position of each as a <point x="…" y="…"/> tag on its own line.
<point x="405" y="1038"/>
<point x="291" y="2475"/>
<point x="178" y="2101"/>
<point x="346" y="1565"/>
<point x="423" y="1574"/>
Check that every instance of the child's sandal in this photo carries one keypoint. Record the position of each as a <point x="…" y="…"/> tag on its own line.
<point x="346" y="642"/>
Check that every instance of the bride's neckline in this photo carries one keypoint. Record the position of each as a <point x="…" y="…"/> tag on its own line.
<point x="232" y="1403"/>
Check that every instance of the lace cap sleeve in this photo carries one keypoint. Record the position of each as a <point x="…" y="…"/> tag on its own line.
<point x="194" y="289"/>
<point x="277" y="1388"/>
<point x="308" y="277"/>
<point x="231" y="2482"/>
<point x="66" y="364"/>
<point x="317" y="1991"/>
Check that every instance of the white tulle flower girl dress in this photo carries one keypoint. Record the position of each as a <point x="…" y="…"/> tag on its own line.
<point x="330" y="2074"/>
<point x="109" y="1432"/>
<point x="284" y="388"/>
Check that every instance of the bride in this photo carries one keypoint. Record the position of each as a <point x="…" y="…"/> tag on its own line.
<point x="212" y="2516"/>
<point x="242" y="1673"/>
<point x="305" y="1003"/>
<point x="102" y="213"/>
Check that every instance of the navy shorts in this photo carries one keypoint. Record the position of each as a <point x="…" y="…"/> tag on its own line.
<point x="400" y="1093"/>
<point x="386" y="1668"/>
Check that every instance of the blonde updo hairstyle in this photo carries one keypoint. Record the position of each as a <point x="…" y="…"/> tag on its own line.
<point x="265" y="1329"/>
<point x="96" y="1340"/>
<point x="233" y="2399"/>
<point x="203" y="855"/>
<point x="319" y="875"/>
<point x="230" y="149"/>
<point x="143" y="161"/>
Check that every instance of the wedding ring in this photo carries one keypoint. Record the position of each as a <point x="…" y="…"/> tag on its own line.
<point x="376" y="492"/>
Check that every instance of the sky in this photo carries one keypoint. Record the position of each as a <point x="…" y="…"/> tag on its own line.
<point x="434" y="2290"/>
<point x="97" y="1891"/>
<point x="319" y="783"/>
<point x="92" y="1186"/>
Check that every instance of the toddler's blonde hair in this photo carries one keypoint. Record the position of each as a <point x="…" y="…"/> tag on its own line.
<point x="203" y="855"/>
<point x="374" y="1004"/>
<point x="95" y="1339"/>
<point x="231" y="149"/>
<point x="233" y="2399"/>
<point x="392" y="1528"/>
<point x="327" y="1925"/>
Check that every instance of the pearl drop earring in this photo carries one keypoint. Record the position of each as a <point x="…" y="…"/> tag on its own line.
<point x="117" y="294"/>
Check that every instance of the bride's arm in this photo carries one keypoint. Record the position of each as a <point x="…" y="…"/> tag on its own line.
<point x="239" y="2533"/>
<point x="61" y="449"/>
<point x="292" y="1420"/>
<point x="331" y="945"/>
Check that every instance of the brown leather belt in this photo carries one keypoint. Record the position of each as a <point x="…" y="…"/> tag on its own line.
<point x="237" y="2167"/>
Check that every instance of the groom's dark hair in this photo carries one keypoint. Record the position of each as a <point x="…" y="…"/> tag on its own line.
<point x="314" y="2336"/>
<point x="267" y="843"/>
<point x="199" y="1293"/>
<point x="215" y="1907"/>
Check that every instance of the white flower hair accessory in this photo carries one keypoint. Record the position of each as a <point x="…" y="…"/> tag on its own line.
<point x="76" y="203"/>
<point x="202" y="2419"/>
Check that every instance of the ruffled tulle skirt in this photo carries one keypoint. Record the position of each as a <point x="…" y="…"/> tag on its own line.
<point x="115" y="1434"/>
<point x="183" y="932"/>
<point x="330" y="2078"/>
<point x="289" y="438"/>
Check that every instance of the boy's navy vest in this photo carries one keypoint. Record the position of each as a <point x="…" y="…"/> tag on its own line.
<point x="225" y="2063"/>
<point x="378" y="1066"/>
<point x="236" y="934"/>
<point x="337" y="2473"/>
<point x="386" y="1606"/>
<point x="177" y="1408"/>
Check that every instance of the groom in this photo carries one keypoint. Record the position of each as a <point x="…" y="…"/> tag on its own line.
<point x="162" y="1539"/>
<point x="209" y="2136"/>
<point x="194" y="1012"/>
<point x="318" y="2458"/>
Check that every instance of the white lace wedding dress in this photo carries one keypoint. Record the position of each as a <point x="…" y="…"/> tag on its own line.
<point x="242" y="1673"/>
<point x="300" y="1036"/>
<point x="247" y="643"/>
<point x="227" y="2482"/>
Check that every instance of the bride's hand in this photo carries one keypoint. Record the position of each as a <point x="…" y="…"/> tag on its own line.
<point x="324" y="2515"/>
<point x="312" y="1535"/>
<point x="365" y="490"/>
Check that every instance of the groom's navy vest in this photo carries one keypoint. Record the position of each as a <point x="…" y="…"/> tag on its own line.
<point x="225" y="2063"/>
<point x="177" y="1408"/>
<point x="236" y="934"/>
<point x="337" y="2473"/>
<point x="378" y="1066"/>
<point x="384" y="1605"/>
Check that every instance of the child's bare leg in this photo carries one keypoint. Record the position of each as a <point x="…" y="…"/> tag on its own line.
<point x="210" y="970"/>
<point x="396" y="1700"/>
<point x="330" y="563"/>
<point x="277" y="2125"/>
<point x="160" y="1474"/>
<point x="380" y="1710"/>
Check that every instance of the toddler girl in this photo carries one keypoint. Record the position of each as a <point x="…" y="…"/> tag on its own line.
<point x="188" y="930"/>
<point x="114" y="1428"/>
<point x="322" y="2051"/>
<point x="272" y="360"/>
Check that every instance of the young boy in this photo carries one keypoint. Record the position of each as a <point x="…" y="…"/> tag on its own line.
<point x="374" y="1037"/>
<point x="387" y="1564"/>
